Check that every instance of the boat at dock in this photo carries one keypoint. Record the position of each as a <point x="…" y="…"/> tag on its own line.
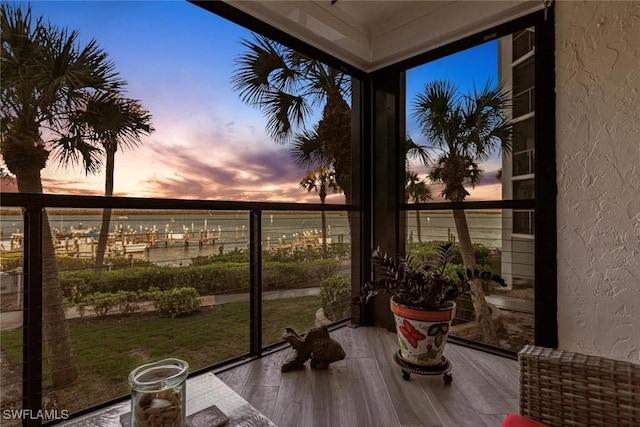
<point x="121" y="248"/>
<point x="14" y="244"/>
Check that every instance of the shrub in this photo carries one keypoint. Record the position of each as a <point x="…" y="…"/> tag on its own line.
<point x="453" y="270"/>
<point x="207" y="278"/>
<point x="177" y="301"/>
<point x="428" y="252"/>
<point x="335" y="296"/>
<point x="482" y="253"/>
<point x="81" y="306"/>
<point x="292" y="275"/>
<point x="127" y="302"/>
<point x="339" y="250"/>
<point x="75" y="289"/>
<point x="298" y="255"/>
<point x="201" y="260"/>
<point x="67" y="263"/>
<point x="11" y="260"/>
<point x="101" y="302"/>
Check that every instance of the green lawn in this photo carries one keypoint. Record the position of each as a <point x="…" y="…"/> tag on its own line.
<point x="106" y="350"/>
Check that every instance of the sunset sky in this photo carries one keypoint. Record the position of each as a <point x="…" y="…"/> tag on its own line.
<point x="178" y="60"/>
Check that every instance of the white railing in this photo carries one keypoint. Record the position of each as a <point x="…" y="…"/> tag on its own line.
<point x="524" y="162"/>
<point x="524" y="102"/>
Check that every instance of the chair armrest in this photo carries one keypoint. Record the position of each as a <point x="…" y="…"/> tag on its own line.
<point x="561" y="388"/>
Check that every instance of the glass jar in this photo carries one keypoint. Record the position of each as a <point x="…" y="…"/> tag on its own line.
<point x="158" y="394"/>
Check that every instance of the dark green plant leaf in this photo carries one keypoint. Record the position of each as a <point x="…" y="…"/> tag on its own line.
<point x="403" y="344"/>
<point x="434" y="329"/>
<point x="419" y="284"/>
<point x="429" y="355"/>
<point x="438" y="340"/>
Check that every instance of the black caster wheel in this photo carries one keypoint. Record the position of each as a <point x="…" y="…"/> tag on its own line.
<point x="447" y="378"/>
<point x="406" y="375"/>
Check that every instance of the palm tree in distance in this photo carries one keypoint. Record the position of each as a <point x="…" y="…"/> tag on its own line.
<point x="46" y="78"/>
<point x="285" y="85"/>
<point x="418" y="191"/>
<point x="415" y="189"/>
<point x="321" y="179"/>
<point x="465" y="129"/>
<point x="112" y="121"/>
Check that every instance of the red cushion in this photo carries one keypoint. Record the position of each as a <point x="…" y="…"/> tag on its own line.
<point x="514" y="420"/>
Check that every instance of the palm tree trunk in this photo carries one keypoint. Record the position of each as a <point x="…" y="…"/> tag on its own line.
<point x="56" y="335"/>
<point x="335" y="130"/>
<point x="103" y="239"/>
<point x="418" y="226"/>
<point x="106" y="213"/>
<point x="483" y="314"/>
<point x="323" y="215"/>
<point x="324" y="234"/>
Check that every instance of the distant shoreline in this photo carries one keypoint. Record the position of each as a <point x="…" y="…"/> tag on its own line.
<point x="143" y="212"/>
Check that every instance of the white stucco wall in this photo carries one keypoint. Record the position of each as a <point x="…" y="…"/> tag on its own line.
<point x="598" y="163"/>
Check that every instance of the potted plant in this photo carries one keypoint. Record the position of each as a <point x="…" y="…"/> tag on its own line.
<point x="422" y="301"/>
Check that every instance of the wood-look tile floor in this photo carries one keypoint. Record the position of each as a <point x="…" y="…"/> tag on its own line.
<point x="366" y="389"/>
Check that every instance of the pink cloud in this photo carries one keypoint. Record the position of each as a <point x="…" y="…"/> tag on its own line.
<point x="246" y="174"/>
<point x="8" y="185"/>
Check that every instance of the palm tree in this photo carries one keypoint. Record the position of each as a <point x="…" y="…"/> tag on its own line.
<point x="415" y="188"/>
<point x="414" y="151"/>
<point x="46" y="77"/>
<point x="321" y="179"/>
<point x="418" y="191"/>
<point x="112" y="121"/>
<point x="466" y="129"/>
<point x="308" y="151"/>
<point x="285" y="84"/>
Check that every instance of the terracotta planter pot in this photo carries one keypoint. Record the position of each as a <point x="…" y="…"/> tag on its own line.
<point x="422" y="333"/>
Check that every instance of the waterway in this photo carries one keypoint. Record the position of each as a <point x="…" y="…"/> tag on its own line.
<point x="231" y="229"/>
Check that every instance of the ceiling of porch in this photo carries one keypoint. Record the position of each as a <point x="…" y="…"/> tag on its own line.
<point x="373" y="34"/>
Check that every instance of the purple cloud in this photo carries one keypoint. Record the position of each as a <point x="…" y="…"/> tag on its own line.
<point x="215" y="171"/>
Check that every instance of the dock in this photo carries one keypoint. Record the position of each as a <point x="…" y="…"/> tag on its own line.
<point x="119" y="244"/>
<point x="123" y="241"/>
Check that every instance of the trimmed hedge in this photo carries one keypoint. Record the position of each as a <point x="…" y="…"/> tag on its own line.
<point x="176" y="301"/>
<point x="206" y="279"/>
<point x="11" y="261"/>
<point x="173" y="302"/>
<point x="428" y="252"/>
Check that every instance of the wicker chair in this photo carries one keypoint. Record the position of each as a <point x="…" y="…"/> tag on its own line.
<point x="560" y="388"/>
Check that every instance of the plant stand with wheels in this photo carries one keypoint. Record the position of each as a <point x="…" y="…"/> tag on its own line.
<point x="410" y="368"/>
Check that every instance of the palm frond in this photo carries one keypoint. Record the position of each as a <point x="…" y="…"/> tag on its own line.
<point x="71" y="150"/>
<point x="283" y="83"/>
<point x="285" y="113"/>
<point x="308" y="150"/>
<point x="112" y="119"/>
<point x="262" y="70"/>
<point x="416" y="151"/>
